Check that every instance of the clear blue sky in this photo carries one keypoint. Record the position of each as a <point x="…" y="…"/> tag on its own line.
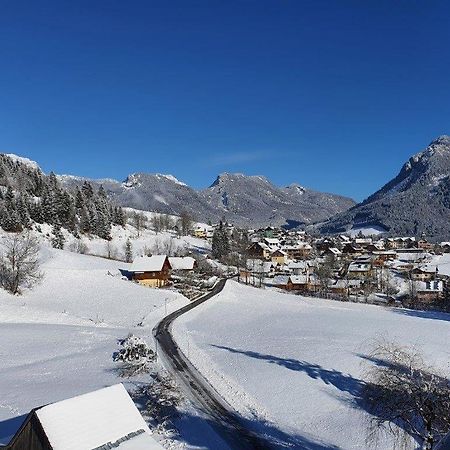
<point x="335" y="95"/>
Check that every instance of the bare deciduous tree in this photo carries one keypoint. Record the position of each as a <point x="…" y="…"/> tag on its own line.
<point x="78" y="246"/>
<point x="157" y="223"/>
<point x="110" y="250"/>
<point x="139" y="221"/>
<point x="185" y="224"/>
<point x="407" y="397"/>
<point x="19" y="263"/>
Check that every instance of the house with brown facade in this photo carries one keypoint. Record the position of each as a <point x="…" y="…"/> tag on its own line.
<point x="423" y="273"/>
<point x="152" y="271"/>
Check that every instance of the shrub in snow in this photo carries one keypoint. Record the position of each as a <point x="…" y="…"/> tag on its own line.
<point x="135" y="354"/>
<point x="78" y="246"/>
<point x="406" y="397"/>
<point x="19" y="263"/>
<point x="162" y="398"/>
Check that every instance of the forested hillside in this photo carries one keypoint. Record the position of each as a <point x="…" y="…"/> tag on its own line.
<point x="29" y="196"/>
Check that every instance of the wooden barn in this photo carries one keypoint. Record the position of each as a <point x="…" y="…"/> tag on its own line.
<point x="152" y="271"/>
<point x="99" y="420"/>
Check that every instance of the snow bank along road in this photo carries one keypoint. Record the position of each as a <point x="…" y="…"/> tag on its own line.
<point x="223" y="418"/>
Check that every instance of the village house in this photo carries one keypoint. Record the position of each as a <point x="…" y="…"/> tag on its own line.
<point x="152" y="271"/>
<point x="352" y="250"/>
<point x="203" y="231"/>
<point x="258" y="250"/>
<point x="299" y="267"/>
<point x="363" y="242"/>
<point x="256" y="270"/>
<point x="345" y="287"/>
<point x="401" y="242"/>
<point x="99" y="420"/>
<point x="424" y="244"/>
<point x="278" y="257"/>
<point x="272" y="243"/>
<point x="182" y="263"/>
<point x="333" y="252"/>
<point x="291" y="282"/>
<point x="428" y="291"/>
<point x="301" y="250"/>
<point x="423" y="273"/>
<point x="382" y="256"/>
<point x="359" y="270"/>
<point x="323" y="244"/>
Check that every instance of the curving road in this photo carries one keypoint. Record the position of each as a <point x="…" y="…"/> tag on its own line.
<point x="225" y="420"/>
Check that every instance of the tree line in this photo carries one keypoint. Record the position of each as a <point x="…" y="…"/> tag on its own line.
<point x="27" y="195"/>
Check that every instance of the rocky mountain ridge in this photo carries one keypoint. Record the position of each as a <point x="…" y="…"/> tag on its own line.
<point x="415" y="202"/>
<point x="250" y="201"/>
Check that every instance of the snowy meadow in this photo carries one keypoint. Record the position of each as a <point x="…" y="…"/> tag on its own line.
<point x="294" y="367"/>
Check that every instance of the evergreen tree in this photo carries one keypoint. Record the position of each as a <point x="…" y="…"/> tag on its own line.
<point x="22" y="206"/>
<point x="85" y="220"/>
<point x="128" y="251"/>
<point x="220" y="242"/>
<point x="58" y="239"/>
<point x="79" y="199"/>
<point x="87" y="190"/>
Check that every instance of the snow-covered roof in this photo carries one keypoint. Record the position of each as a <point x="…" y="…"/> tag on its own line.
<point x="280" y="280"/>
<point x="182" y="263"/>
<point x="298" y="279"/>
<point x="298" y="265"/>
<point x="346" y="283"/>
<point x="93" y="420"/>
<point x="335" y="251"/>
<point x="152" y="263"/>
<point x="357" y="267"/>
<point x="298" y="246"/>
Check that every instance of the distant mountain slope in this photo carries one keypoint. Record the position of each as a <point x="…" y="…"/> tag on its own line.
<point x="253" y="200"/>
<point x="250" y="201"/>
<point x="416" y="201"/>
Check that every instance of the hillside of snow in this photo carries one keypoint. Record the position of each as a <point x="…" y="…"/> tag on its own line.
<point x="293" y="366"/>
<point x="57" y="340"/>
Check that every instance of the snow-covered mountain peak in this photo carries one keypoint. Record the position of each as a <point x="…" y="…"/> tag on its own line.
<point x="226" y="177"/>
<point x="170" y="178"/>
<point x="442" y="140"/>
<point x="296" y="187"/>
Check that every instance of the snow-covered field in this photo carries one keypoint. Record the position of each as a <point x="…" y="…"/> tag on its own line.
<point x="293" y="366"/>
<point x="57" y="340"/>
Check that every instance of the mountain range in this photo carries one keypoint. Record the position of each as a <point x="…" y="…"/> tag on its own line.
<point x="247" y="201"/>
<point x="415" y="202"/>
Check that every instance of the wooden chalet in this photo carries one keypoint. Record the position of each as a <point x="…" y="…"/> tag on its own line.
<point x="423" y="274"/>
<point x="352" y="250"/>
<point x="99" y="420"/>
<point x="429" y="291"/>
<point x="291" y="282"/>
<point x="278" y="257"/>
<point x="258" y="250"/>
<point x="301" y="250"/>
<point x="152" y="271"/>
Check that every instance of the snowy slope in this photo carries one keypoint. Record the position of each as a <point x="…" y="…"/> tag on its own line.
<point x="58" y="339"/>
<point x="292" y="366"/>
